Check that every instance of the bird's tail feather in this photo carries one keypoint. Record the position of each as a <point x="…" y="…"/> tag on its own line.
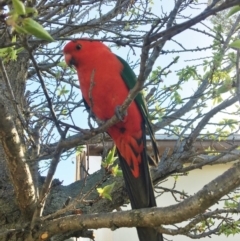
<point x="141" y="193"/>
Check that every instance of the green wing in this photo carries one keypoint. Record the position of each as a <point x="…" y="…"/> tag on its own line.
<point x="130" y="79"/>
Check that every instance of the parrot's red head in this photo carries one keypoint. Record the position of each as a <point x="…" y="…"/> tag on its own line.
<point x="81" y="51"/>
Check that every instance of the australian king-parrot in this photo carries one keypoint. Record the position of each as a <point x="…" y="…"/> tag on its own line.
<point x="105" y="80"/>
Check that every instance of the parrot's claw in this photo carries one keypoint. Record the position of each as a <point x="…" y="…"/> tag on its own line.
<point x="119" y="115"/>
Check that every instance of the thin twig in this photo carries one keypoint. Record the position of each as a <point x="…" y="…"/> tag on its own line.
<point x="50" y="106"/>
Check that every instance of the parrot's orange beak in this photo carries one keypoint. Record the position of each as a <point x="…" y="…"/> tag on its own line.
<point x="69" y="60"/>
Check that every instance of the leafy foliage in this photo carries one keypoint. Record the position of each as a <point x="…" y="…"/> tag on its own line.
<point x="19" y="19"/>
<point x="106" y="191"/>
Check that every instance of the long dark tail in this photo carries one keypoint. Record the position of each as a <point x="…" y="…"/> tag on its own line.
<point x="140" y="191"/>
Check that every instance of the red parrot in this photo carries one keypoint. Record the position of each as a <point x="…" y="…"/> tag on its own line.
<point x="105" y="80"/>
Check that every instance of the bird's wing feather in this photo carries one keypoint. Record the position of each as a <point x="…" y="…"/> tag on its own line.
<point x="130" y="79"/>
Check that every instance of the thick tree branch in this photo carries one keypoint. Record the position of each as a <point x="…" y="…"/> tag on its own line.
<point x="16" y="161"/>
<point x="152" y="217"/>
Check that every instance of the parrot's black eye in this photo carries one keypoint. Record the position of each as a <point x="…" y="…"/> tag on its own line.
<point x="78" y="46"/>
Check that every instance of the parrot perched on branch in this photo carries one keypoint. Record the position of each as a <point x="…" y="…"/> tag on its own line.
<point x="105" y="80"/>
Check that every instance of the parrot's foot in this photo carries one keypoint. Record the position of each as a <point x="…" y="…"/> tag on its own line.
<point x="119" y="115"/>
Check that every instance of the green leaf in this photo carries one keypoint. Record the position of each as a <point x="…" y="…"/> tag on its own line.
<point x="233" y="10"/>
<point x="106" y="191"/>
<point x="79" y="149"/>
<point x="62" y="91"/>
<point x="62" y="64"/>
<point x="235" y="44"/>
<point x="217" y="98"/>
<point x="229" y="228"/>
<point x="20" y="29"/>
<point x="8" y="53"/>
<point x="64" y="111"/>
<point x="19" y="7"/>
<point x="187" y="73"/>
<point x="31" y="11"/>
<point x="116" y="172"/>
<point x="175" y="177"/>
<point x="226" y="86"/>
<point x="36" y="29"/>
<point x="230" y="205"/>
<point x="176" y="97"/>
<point x="110" y="159"/>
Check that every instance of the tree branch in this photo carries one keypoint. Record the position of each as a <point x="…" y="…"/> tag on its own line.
<point x="151" y="217"/>
<point x="16" y="162"/>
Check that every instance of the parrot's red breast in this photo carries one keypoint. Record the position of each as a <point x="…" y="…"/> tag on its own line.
<point x="99" y="73"/>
